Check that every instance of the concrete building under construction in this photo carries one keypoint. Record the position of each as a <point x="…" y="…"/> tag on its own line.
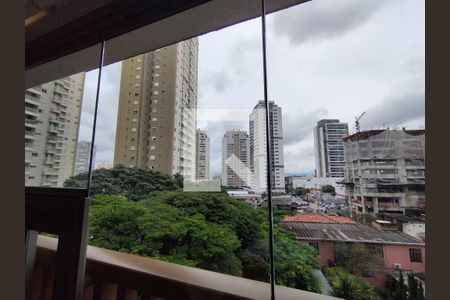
<point x="385" y="171"/>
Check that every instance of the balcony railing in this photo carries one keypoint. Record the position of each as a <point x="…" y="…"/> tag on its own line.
<point x="115" y="275"/>
<point x="31" y="110"/>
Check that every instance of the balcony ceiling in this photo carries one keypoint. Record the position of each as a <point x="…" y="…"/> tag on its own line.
<point x="56" y="29"/>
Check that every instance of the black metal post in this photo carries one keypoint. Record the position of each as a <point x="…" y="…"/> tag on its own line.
<point x="94" y="126"/>
<point x="268" y="152"/>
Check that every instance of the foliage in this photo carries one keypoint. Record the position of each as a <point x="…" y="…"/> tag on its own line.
<point x="164" y="232"/>
<point x="399" y="289"/>
<point x="301" y="191"/>
<point x="217" y="208"/>
<point x="328" y="189"/>
<point x="348" y="286"/>
<point x="133" y="183"/>
<point x="294" y="262"/>
<point x="208" y="230"/>
<point x="415" y="288"/>
<point x="355" y="258"/>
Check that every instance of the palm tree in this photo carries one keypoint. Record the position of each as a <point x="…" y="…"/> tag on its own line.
<point x="348" y="286"/>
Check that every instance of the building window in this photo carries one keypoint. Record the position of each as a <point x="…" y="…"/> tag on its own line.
<point x="376" y="250"/>
<point x="133" y="129"/>
<point x="152" y="157"/>
<point x="315" y="245"/>
<point x="135" y="102"/>
<point x="134" y="120"/>
<point x="132" y="148"/>
<point x="415" y="255"/>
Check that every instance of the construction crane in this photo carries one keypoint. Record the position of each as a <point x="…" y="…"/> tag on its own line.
<point x="357" y="121"/>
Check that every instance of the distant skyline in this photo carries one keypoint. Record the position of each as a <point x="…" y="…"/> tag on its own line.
<point x="326" y="59"/>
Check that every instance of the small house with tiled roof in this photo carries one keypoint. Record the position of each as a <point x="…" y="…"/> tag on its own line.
<point x="397" y="249"/>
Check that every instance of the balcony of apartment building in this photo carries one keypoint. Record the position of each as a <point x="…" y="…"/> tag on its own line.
<point x="115" y="275"/>
<point x="31" y="110"/>
<point x="112" y="274"/>
<point x="29" y="133"/>
<point x="28" y="144"/>
<point x="61" y="99"/>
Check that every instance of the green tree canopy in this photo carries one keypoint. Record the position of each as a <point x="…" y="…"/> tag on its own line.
<point x="301" y="191"/>
<point x="133" y="183"/>
<point x="208" y="230"/>
<point x="217" y="208"/>
<point x="328" y="189"/>
<point x="356" y="258"/>
<point x="163" y="231"/>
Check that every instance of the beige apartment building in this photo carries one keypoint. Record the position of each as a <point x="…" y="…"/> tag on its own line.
<point x="52" y="121"/>
<point x="235" y="159"/>
<point x="202" y="159"/>
<point x="156" y="120"/>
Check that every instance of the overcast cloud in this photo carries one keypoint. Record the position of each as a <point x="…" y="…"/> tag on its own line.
<point x="324" y="19"/>
<point x="326" y="59"/>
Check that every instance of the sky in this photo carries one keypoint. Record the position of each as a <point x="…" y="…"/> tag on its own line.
<point x="325" y="59"/>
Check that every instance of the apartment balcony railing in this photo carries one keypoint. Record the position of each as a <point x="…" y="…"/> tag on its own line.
<point x="31" y="110"/>
<point x="60" y="101"/>
<point x="61" y="90"/>
<point x="58" y="120"/>
<point x="31" y="99"/>
<point x="50" y="150"/>
<point x="29" y="134"/>
<point x="115" y="275"/>
<point x="28" y="146"/>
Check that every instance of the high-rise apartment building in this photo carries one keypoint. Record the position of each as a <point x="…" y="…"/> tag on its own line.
<point x="202" y="153"/>
<point x="52" y="121"/>
<point x="258" y="151"/>
<point x="82" y="157"/>
<point x="328" y="147"/>
<point x="156" y="120"/>
<point x="385" y="171"/>
<point x="235" y="159"/>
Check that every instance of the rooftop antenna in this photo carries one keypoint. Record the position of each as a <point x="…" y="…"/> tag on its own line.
<point x="357" y="126"/>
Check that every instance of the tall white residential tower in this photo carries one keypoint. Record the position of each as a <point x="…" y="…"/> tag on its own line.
<point x="258" y="157"/>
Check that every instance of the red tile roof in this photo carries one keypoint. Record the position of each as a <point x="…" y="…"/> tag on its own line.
<point x="318" y="218"/>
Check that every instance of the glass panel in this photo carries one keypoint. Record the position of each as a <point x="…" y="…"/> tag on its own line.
<point x="349" y="79"/>
<point x="180" y="164"/>
<point x="58" y="129"/>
